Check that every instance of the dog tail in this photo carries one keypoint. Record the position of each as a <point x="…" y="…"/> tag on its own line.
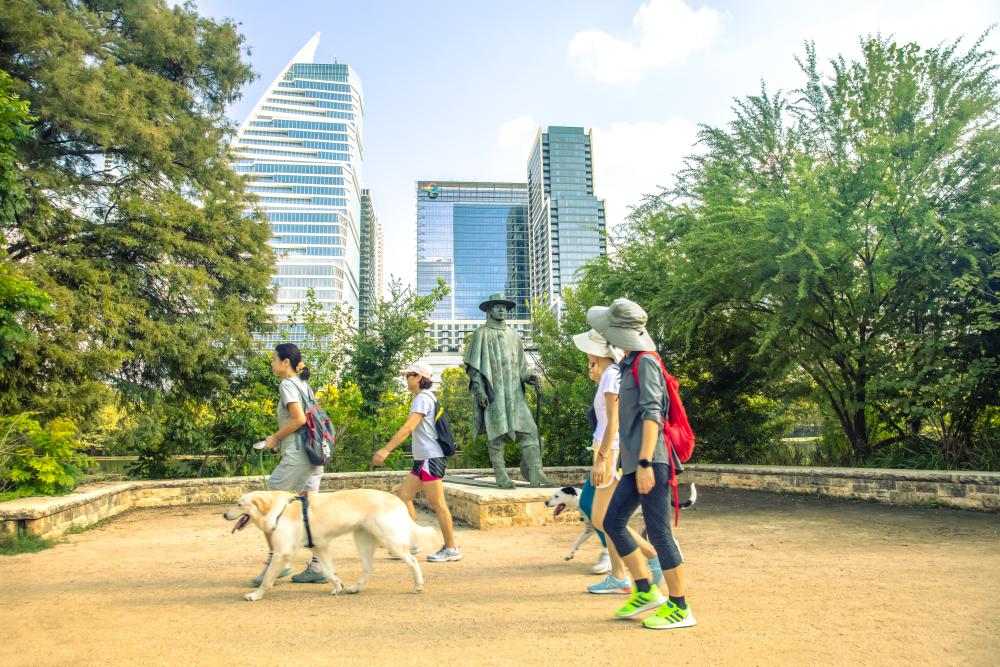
<point x="692" y="498"/>
<point x="425" y="537"/>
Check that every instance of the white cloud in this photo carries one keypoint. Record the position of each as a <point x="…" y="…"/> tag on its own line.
<point x="667" y="31"/>
<point x="517" y="133"/>
<point x="635" y="159"/>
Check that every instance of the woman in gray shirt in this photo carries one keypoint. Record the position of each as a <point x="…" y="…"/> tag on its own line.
<point x="294" y="472"/>
<point x="642" y="406"/>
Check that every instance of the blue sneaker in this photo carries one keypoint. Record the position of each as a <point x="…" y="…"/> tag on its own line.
<point x="256" y="581"/>
<point x="611" y="584"/>
<point x="656" y="570"/>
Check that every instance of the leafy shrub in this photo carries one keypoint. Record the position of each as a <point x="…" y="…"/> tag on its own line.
<point x="37" y="459"/>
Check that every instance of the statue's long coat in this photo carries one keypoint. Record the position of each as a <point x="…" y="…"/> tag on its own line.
<point x="497" y="354"/>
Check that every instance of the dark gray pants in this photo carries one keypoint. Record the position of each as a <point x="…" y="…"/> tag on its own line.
<point x="656" y="511"/>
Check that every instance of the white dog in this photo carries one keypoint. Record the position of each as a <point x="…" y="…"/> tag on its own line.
<point x="375" y="517"/>
<point x="569" y="497"/>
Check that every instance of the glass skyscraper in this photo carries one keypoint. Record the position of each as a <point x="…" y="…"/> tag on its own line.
<point x="474" y="236"/>
<point x="301" y="149"/>
<point x="371" y="259"/>
<point x="566" y="224"/>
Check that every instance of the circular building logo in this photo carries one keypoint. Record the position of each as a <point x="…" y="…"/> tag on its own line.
<point x="432" y="190"/>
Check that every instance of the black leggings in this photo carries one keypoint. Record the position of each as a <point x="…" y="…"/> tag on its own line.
<point x="656" y="511"/>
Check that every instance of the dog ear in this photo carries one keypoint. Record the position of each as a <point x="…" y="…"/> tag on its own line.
<point x="262" y="503"/>
<point x="569" y="490"/>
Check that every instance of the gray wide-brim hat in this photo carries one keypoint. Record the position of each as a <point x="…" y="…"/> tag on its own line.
<point x="495" y="299"/>
<point x="623" y="324"/>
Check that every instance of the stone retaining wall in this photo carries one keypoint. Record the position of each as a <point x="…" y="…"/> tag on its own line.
<point x="51" y="517"/>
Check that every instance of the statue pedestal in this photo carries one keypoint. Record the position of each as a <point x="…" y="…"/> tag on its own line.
<point x="486" y="507"/>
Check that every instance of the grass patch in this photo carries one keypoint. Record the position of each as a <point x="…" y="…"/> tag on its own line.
<point x="23" y="544"/>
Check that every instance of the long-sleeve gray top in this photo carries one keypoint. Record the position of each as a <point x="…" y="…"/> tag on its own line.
<point x="637" y="403"/>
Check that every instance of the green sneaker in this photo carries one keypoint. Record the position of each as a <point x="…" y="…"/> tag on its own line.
<point x="640" y="602"/>
<point x="256" y="581"/>
<point x="669" y="616"/>
<point x="310" y="575"/>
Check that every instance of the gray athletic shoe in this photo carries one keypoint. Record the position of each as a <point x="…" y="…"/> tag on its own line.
<point x="310" y="575"/>
<point x="445" y="554"/>
<point x="256" y="581"/>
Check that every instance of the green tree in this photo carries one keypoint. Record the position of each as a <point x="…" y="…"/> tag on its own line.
<point x="133" y="221"/>
<point x="394" y="337"/>
<point x="852" y="233"/>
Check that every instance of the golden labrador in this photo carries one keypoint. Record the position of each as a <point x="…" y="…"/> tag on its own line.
<point x="375" y="517"/>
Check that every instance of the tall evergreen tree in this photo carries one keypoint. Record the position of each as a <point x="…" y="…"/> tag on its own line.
<point x="133" y="221"/>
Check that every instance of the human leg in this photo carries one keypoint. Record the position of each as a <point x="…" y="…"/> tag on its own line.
<point x="435" y="498"/>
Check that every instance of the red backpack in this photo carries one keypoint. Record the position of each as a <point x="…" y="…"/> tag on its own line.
<point x="677" y="433"/>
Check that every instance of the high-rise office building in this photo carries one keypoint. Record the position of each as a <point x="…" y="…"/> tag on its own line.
<point x="566" y="222"/>
<point x="473" y="236"/>
<point x="301" y="149"/>
<point x="370" y="275"/>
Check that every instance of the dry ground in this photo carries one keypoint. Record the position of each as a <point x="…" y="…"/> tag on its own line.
<point x="772" y="579"/>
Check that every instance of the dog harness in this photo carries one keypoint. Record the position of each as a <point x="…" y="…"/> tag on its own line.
<point x="305" y="517"/>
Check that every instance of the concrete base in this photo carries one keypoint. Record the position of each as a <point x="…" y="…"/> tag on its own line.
<point x="486" y="507"/>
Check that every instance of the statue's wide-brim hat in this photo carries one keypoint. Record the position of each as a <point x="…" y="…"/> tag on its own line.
<point x="493" y="300"/>
<point x="623" y="324"/>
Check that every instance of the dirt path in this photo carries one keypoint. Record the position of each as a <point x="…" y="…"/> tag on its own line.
<point x="772" y="579"/>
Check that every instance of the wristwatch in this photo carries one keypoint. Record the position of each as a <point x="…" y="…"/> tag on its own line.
<point x="645" y="463"/>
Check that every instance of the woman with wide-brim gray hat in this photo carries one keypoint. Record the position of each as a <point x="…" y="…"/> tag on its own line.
<point x="645" y="463"/>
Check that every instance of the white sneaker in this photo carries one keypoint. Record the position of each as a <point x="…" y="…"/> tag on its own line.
<point x="603" y="564"/>
<point x="445" y="554"/>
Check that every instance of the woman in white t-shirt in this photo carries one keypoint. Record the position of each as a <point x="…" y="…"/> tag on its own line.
<point x="604" y="474"/>
<point x="429" y="461"/>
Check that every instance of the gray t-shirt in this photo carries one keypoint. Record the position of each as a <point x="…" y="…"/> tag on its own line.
<point x="425" y="444"/>
<point x="291" y="390"/>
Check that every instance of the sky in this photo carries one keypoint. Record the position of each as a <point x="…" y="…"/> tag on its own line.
<point x="458" y="90"/>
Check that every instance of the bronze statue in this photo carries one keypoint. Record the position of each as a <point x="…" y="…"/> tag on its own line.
<point x="498" y="371"/>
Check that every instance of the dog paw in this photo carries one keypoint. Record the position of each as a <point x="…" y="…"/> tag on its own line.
<point x="351" y="590"/>
<point x="418" y="589"/>
<point x="337" y="588"/>
<point x="253" y="596"/>
<point x="569" y="556"/>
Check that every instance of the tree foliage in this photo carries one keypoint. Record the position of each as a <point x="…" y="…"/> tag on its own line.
<point x="133" y="222"/>
<point x="393" y="337"/>
<point x="847" y="235"/>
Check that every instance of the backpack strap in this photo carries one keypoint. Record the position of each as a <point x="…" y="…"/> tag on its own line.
<point x="309" y="400"/>
<point x="666" y="435"/>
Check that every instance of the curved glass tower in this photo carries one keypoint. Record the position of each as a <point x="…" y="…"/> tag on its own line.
<point x="301" y="148"/>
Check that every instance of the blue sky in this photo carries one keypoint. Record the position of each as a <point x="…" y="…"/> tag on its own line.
<point x="457" y="90"/>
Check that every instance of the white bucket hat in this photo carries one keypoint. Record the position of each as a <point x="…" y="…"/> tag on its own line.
<point x="420" y="368"/>
<point x="593" y="343"/>
<point x="623" y="324"/>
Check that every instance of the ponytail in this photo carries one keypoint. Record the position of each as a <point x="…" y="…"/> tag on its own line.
<point x="290" y="351"/>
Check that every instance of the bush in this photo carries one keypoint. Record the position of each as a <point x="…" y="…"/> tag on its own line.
<point x="39" y="460"/>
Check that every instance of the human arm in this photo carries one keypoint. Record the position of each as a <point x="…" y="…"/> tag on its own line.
<point x="379" y="457"/>
<point x="601" y="469"/>
<point x="296" y="418"/>
<point x="652" y="403"/>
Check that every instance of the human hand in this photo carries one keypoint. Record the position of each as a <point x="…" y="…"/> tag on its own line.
<point x="379" y="457"/>
<point x="270" y="442"/>
<point x="597" y="473"/>
<point x="644" y="480"/>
